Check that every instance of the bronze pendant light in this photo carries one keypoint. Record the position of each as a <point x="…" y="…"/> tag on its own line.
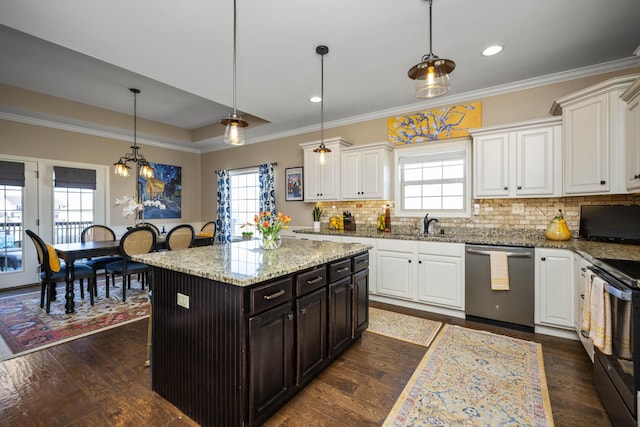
<point x="143" y="167"/>
<point x="233" y="134"/>
<point x="431" y="76"/>
<point x="322" y="150"/>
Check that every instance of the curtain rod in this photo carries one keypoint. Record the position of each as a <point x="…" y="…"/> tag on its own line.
<point x="274" y="164"/>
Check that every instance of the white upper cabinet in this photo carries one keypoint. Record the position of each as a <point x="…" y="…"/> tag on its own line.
<point x="518" y="160"/>
<point x="632" y="137"/>
<point x="322" y="182"/>
<point x="593" y="138"/>
<point x="365" y="172"/>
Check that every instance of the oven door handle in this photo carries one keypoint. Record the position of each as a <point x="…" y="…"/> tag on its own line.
<point x="622" y="294"/>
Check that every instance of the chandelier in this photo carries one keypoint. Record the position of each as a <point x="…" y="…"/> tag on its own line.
<point x="144" y="168"/>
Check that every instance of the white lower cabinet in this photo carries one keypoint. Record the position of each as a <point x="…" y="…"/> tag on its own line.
<point x="396" y="268"/>
<point x="554" y="288"/>
<point x="441" y="274"/>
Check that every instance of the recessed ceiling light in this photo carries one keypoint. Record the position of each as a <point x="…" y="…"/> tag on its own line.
<point x="492" y="50"/>
<point x="315" y="99"/>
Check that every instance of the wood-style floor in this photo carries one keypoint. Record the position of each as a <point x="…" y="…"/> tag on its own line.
<point x="101" y="380"/>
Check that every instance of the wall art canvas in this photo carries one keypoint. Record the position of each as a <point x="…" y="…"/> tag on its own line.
<point x="165" y="186"/>
<point x="433" y="125"/>
<point x="295" y="192"/>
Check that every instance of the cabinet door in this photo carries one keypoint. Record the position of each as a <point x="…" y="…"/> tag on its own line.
<point x="340" y="302"/>
<point x="554" y="287"/>
<point x="351" y="177"/>
<point x="312" y="176"/>
<point x="395" y="274"/>
<point x="321" y="181"/>
<point x="440" y="280"/>
<point x="633" y="145"/>
<point x="535" y="162"/>
<point x="372" y="176"/>
<point x="311" y="335"/>
<point x="491" y="165"/>
<point x="360" y="303"/>
<point x="271" y="360"/>
<point x="586" y="146"/>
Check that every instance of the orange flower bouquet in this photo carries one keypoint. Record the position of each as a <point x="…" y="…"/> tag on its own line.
<point x="269" y="224"/>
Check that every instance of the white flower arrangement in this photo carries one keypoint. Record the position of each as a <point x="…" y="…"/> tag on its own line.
<point x="131" y="207"/>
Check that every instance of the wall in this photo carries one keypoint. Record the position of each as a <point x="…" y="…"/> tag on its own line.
<point x="512" y="107"/>
<point x="31" y="141"/>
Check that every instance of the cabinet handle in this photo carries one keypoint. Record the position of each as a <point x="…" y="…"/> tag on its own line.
<point x="290" y="316"/>
<point x="274" y="296"/>
<point x="506" y="188"/>
<point x="303" y="311"/>
<point x="543" y="259"/>
<point x="603" y="182"/>
<point x="340" y="270"/>
<point x="362" y="261"/>
<point x="420" y="262"/>
<point x="314" y="281"/>
<point x="636" y="176"/>
<point x="409" y="261"/>
<point x="519" y="187"/>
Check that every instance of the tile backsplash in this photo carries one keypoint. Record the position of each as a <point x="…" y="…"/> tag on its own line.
<point x="534" y="214"/>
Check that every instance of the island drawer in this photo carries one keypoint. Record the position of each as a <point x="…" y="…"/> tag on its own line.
<point x="311" y="280"/>
<point x="339" y="269"/>
<point x="264" y="297"/>
<point x="360" y="262"/>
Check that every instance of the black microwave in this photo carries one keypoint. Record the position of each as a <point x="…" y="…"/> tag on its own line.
<point x="613" y="223"/>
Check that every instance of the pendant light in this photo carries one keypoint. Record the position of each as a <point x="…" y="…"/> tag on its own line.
<point x="432" y="74"/>
<point x="233" y="134"/>
<point x="322" y="150"/>
<point x="143" y="167"/>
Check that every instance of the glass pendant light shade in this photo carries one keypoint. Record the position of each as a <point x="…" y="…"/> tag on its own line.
<point x="234" y="134"/>
<point x="431" y="75"/>
<point x="322" y="151"/>
<point x="121" y="168"/>
<point x="146" y="171"/>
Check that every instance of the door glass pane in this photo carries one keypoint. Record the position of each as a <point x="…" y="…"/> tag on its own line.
<point x="11" y="202"/>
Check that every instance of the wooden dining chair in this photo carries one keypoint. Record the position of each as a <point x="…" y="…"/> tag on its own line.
<point x="153" y="227"/>
<point x="180" y="237"/>
<point x="140" y="240"/>
<point x="209" y="230"/>
<point x="52" y="272"/>
<point x="99" y="233"/>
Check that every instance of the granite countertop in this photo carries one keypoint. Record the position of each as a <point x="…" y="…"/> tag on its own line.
<point x="491" y="236"/>
<point x="244" y="263"/>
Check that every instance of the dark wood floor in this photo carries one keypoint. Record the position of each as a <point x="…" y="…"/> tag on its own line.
<point x="101" y="380"/>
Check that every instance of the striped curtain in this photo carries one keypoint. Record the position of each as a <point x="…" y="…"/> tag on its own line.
<point x="267" y="201"/>
<point x="223" y="221"/>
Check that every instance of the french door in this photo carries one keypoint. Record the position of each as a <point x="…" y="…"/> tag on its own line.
<point x="19" y="212"/>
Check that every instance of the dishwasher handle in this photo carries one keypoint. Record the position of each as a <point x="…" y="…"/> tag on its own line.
<point x="509" y="254"/>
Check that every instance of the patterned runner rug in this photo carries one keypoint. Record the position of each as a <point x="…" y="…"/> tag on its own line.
<point x="403" y="327"/>
<point x="25" y="327"/>
<point x="475" y="378"/>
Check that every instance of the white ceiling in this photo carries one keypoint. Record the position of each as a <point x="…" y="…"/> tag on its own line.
<point x="180" y="54"/>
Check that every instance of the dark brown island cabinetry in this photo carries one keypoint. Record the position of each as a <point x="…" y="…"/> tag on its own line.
<point x="239" y="353"/>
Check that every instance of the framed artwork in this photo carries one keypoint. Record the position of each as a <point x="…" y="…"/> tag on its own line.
<point x="293" y="180"/>
<point x="434" y="125"/>
<point x="166" y="187"/>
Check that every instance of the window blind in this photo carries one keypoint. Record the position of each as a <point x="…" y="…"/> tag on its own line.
<point x="74" y="178"/>
<point x="12" y="173"/>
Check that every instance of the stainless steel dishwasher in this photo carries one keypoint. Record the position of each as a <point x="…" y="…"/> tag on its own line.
<point x="513" y="307"/>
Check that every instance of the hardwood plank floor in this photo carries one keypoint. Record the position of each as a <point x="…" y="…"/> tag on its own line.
<point x="101" y="380"/>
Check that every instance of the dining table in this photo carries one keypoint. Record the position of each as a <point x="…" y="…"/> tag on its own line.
<point x="71" y="252"/>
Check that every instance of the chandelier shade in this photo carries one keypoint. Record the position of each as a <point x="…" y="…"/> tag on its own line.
<point x="142" y="165"/>
<point x="431" y="75"/>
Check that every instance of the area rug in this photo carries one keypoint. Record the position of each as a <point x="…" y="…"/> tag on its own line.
<point x="25" y="327"/>
<point x="475" y="378"/>
<point x="403" y="327"/>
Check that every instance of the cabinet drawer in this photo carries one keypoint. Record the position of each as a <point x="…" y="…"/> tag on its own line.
<point x="340" y="269"/>
<point x="360" y="262"/>
<point x="311" y="280"/>
<point x="270" y="295"/>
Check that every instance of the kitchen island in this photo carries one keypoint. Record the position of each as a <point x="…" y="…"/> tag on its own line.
<point x="238" y="330"/>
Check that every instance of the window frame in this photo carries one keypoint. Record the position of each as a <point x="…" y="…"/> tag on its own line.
<point x="237" y="172"/>
<point x="425" y="150"/>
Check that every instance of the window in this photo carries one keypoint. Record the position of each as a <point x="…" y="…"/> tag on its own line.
<point x="433" y="179"/>
<point x="245" y="195"/>
<point x="72" y="212"/>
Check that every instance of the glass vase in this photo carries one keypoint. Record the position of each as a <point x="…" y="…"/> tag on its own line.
<point x="269" y="242"/>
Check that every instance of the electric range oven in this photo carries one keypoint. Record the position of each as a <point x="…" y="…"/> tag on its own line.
<point x="617" y="376"/>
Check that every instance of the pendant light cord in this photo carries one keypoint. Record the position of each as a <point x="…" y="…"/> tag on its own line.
<point x="322" y="99"/>
<point x="135" y="119"/>
<point x="430" y="29"/>
<point x="234" y="58"/>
